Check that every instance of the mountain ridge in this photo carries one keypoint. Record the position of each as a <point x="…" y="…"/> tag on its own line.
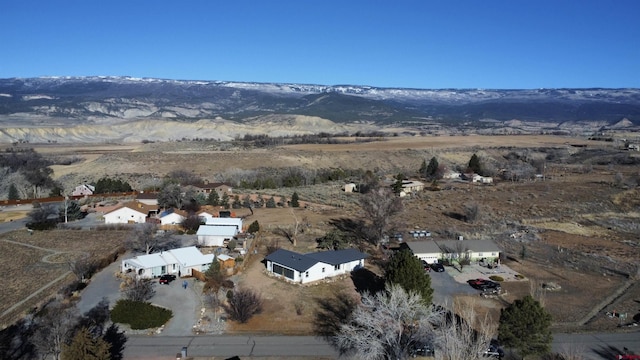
<point x="27" y="104"/>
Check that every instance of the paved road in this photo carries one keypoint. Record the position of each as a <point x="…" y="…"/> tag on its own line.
<point x="590" y="346"/>
<point x="143" y="347"/>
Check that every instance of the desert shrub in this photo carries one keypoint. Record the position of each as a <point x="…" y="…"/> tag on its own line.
<point x="139" y="315"/>
<point x="519" y="276"/>
<point x="496" y="278"/>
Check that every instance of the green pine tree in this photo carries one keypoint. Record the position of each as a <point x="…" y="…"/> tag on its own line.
<point x="432" y="168"/>
<point x="407" y="271"/>
<point x="13" y="193"/>
<point x="397" y="186"/>
<point x="224" y="201"/>
<point x="423" y="168"/>
<point x="525" y="326"/>
<point x="295" y="200"/>
<point x="254" y="227"/>
<point x="213" y="199"/>
<point x="475" y="165"/>
<point x="84" y="346"/>
<point x="271" y="203"/>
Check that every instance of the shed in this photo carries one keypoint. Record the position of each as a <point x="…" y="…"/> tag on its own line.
<point x="215" y="235"/>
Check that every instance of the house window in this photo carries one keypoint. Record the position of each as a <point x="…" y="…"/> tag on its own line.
<point x="479" y="254"/>
<point x="494" y="254"/>
<point x="306" y="274"/>
<point x="174" y="266"/>
<point x="337" y="267"/>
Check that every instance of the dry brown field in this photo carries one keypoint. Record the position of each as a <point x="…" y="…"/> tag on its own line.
<point x="38" y="263"/>
<point x="579" y="228"/>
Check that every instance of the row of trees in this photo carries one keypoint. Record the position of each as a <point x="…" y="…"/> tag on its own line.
<point x="57" y="332"/>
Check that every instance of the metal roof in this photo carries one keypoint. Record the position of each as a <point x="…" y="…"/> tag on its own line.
<point x="292" y="260"/>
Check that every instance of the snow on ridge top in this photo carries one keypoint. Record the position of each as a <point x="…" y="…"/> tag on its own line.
<point x="6" y="95"/>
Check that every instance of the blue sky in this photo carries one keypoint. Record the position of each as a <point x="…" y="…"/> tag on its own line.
<point x="416" y="44"/>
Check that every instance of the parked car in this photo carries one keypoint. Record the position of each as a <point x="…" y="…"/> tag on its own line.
<point x="166" y="279"/>
<point x="484" y="284"/>
<point x="493" y="351"/>
<point x="438" y="267"/>
<point x="426" y="266"/>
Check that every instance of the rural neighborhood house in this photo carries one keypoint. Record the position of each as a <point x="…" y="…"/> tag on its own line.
<point x="432" y="251"/>
<point x="179" y="262"/>
<point x="306" y="268"/>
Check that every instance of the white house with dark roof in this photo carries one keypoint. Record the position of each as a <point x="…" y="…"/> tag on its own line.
<point x="179" y="262"/>
<point x="306" y="268"/>
<point x="215" y="235"/>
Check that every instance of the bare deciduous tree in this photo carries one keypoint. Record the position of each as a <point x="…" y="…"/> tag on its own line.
<point x="83" y="267"/>
<point x="462" y="334"/>
<point x="379" y="207"/>
<point x="387" y="325"/>
<point x="53" y="329"/>
<point x="145" y="238"/>
<point x="243" y="304"/>
<point x="137" y="289"/>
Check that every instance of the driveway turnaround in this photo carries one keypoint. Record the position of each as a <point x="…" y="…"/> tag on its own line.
<point x="184" y="303"/>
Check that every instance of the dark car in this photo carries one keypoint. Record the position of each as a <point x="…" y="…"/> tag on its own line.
<point x="493" y="351"/>
<point x="166" y="279"/>
<point x="484" y="284"/>
<point x="438" y="267"/>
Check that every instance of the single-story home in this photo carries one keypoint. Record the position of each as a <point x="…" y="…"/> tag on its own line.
<point x="450" y="174"/>
<point x="133" y="212"/>
<point x="207" y="187"/>
<point x="428" y="250"/>
<point x="350" y="187"/>
<point x="172" y="218"/>
<point x="215" y="235"/>
<point x="481" y="179"/>
<point x="179" y="262"/>
<point x="433" y="250"/>
<point x="148" y="198"/>
<point x="475" y="249"/>
<point x="306" y="268"/>
<point x="409" y="186"/>
<point x="84" y="189"/>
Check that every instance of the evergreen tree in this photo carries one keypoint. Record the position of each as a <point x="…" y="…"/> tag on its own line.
<point x="295" y="200"/>
<point x="475" y="165"/>
<point x="254" y="227"/>
<point x="213" y="199"/>
<point x="84" y="346"/>
<point x="525" y="326"/>
<point x="271" y="203"/>
<point x="423" y="168"/>
<point x="407" y="271"/>
<point x="432" y="168"/>
<point x="73" y="212"/>
<point x="397" y="186"/>
<point x="224" y="201"/>
<point x="13" y="193"/>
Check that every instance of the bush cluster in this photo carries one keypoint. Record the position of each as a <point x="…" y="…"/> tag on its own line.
<point x="139" y="315"/>
<point x="496" y="278"/>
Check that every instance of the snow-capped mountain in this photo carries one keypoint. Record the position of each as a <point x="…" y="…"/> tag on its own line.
<point x="102" y="100"/>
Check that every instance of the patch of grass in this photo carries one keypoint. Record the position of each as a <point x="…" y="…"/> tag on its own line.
<point x="496" y="278"/>
<point x="139" y="315"/>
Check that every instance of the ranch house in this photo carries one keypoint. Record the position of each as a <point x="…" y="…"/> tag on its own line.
<point x="306" y="268"/>
<point x="179" y="262"/>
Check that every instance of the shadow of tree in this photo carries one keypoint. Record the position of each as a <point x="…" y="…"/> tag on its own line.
<point x="354" y="228"/>
<point x="609" y="352"/>
<point x="332" y="312"/>
<point x="455" y="215"/>
<point x="366" y="281"/>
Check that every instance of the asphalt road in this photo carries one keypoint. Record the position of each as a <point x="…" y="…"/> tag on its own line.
<point x="590" y="346"/>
